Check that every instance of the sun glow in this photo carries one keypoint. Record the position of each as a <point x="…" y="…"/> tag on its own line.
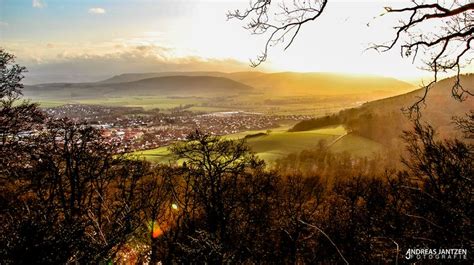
<point x="193" y="35"/>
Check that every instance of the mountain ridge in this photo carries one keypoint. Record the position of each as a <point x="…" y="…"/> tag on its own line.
<point x="166" y="86"/>
<point x="295" y="83"/>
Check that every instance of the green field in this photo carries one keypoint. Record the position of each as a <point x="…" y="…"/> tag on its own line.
<point x="284" y="127"/>
<point x="159" y="155"/>
<point x="146" y="102"/>
<point x="356" y="145"/>
<point x="279" y="143"/>
<point x="49" y="103"/>
<point x="251" y="103"/>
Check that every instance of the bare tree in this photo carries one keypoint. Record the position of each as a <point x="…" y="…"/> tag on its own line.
<point x="446" y="45"/>
<point x="466" y="124"/>
<point x="224" y="197"/>
<point x="17" y="116"/>
<point x="75" y="193"/>
<point x="440" y="186"/>
<point x="216" y="166"/>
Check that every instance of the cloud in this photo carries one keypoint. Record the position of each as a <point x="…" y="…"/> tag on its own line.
<point x="97" y="10"/>
<point x="83" y="67"/>
<point x="3" y="24"/>
<point x="38" y="4"/>
<point x="84" y="62"/>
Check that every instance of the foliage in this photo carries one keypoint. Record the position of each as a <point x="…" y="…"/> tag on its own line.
<point x="316" y="123"/>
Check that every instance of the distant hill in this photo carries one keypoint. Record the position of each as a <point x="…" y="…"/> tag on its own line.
<point x="339" y="87"/>
<point x="325" y="84"/>
<point x="382" y="120"/>
<point x="296" y="84"/>
<point x="440" y="106"/>
<point x="156" y="86"/>
<point x="132" y="77"/>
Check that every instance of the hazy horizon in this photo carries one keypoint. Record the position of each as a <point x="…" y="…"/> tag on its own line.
<point x="78" y="78"/>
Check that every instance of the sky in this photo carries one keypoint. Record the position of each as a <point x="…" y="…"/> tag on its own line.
<point x="86" y="40"/>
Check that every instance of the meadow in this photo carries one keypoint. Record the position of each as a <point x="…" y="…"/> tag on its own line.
<point x="145" y="102"/>
<point x="266" y="104"/>
<point x="276" y="143"/>
<point x="206" y="105"/>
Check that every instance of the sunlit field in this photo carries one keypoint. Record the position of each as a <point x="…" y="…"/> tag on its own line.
<point x="278" y="142"/>
<point x="260" y="104"/>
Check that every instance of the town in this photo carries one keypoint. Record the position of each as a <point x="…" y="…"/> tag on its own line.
<point x="140" y="129"/>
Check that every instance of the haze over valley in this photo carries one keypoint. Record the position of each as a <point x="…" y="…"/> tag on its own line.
<point x="280" y="113"/>
<point x="277" y="93"/>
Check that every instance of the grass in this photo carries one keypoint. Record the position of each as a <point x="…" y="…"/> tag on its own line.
<point x="145" y="102"/>
<point x="49" y="103"/>
<point x="331" y="130"/>
<point x="244" y="102"/>
<point x="158" y="155"/>
<point x="278" y="143"/>
<point x="356" y="145"/>
<point x="284" y="127"/>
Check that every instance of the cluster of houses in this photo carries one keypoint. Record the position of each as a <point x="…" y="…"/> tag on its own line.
<point x="137" y="129"/>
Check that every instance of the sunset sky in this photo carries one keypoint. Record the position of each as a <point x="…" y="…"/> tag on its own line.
<point x="87" y="39"/>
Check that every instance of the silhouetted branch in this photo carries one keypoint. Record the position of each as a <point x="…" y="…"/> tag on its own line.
<point x="466" y="124"/>
<point x="264" y="18"/>
<point x="330" y="240"/>
<point x="448" y="43"/>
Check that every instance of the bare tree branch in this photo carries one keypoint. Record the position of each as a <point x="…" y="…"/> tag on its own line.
<point x="278" y="20"/>
<point x="446" y="46"/>
<point x="330" y="240"/>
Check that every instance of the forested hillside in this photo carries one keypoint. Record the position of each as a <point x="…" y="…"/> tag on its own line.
<point x="384" y="120"/>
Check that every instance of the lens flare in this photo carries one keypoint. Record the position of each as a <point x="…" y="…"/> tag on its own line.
<point x="155" y="229"/>
<point x="174" y="206"/>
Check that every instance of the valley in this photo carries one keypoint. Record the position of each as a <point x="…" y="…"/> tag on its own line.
<point x="286" y="93"/>
<point x="148" y="112"/>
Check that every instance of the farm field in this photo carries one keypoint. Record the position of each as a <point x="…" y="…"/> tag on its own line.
<point x="356" y="145"/>
<point x="162" y="155"/>
<point x="279" y="143"/>
<point x="158" y="155"/>
<point x="285" y="125"/>
<point x="251" y="103"/>
<point x="146" y="102"/>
